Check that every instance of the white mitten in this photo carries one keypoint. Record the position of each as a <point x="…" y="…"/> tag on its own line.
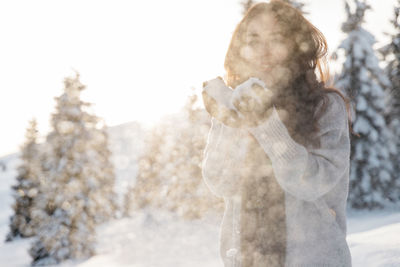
<point x="245" y="89"/>
<point x="253" y="101"/>
<point x="220" y="100"/>
<point x="217" y="101"/>
<point x="219" y="91"/>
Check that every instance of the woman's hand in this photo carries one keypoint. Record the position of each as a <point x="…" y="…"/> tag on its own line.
<point x="254" y="104"/>
<point x="227" y="116"/>
<point x="247" y="106"/>
<point x="223" y="110"/>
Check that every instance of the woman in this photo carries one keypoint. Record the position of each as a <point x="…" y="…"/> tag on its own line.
<point x="280" y="159"/>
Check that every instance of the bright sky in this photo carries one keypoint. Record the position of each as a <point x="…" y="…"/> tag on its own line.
<point x="139" y="59"/>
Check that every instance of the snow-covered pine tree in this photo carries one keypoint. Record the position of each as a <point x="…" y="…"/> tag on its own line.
<point x="145" y="191"/>
<point x="371" y="171"/>
<point x="391" y="53"/>
<point x="77" y="171"/>
<point x="43" y="205"/>
<point x="169" y="176"/>
<point x="27" y="187"/>
<point x="102" y="175"/>
<point x="185" y="191"/>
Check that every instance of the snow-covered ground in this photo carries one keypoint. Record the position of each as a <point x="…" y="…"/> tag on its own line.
<point x="374" y="238"/>
<point x="159" y="239"/>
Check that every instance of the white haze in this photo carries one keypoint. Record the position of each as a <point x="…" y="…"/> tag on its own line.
<point x="139" y="59"/>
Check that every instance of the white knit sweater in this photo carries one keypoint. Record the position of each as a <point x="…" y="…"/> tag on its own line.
<point x="315" y="181"/>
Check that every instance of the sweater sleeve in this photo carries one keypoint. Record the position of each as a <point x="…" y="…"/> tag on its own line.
<point x="223" y="158"/>
<point x="308" y="173"/>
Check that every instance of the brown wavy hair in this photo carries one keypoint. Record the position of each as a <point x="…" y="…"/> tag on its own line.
<point x="303" y="91"/>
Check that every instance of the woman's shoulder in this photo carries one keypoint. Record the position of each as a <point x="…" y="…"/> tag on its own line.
<point x="335" y="111"/>
<point x="336" y="101"/>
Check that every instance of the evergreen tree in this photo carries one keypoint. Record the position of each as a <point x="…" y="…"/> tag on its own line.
<point x="371" y="171"/>
<point x="27" y="188"/>
<point x="147" y="186"/>
<point x="185" y="190"/>
<point x="79" y="178"/>
<point x="391" y="52"/>
<point x="101" y="176"/>
<point x="169" y="176"/>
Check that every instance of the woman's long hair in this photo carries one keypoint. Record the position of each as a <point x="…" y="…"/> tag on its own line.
<point x="302" y="92"/>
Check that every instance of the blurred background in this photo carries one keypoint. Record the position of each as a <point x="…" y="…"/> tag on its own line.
<point x="103" y="128"/>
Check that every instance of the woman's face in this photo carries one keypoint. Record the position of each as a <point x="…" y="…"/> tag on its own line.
<point x="265" y="46"/>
